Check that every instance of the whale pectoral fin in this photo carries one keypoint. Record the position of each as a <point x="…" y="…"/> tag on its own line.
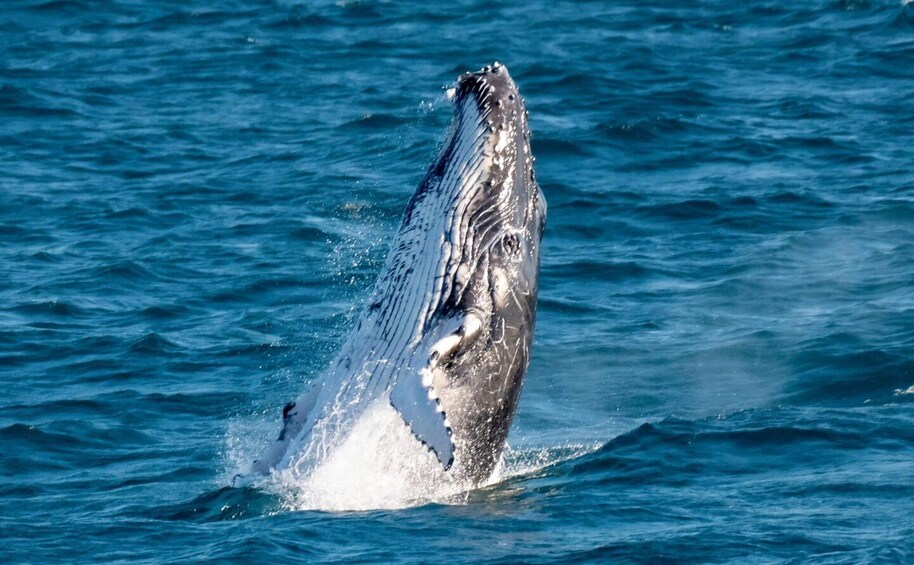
<point x="419" y="407"/>
<point x="294" y="416"/>
<point x="413" y="396"/>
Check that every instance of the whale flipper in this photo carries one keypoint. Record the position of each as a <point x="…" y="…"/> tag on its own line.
<point x="414" y="396"/>
<point x="415" y="400"/>
<point x="294" y="417"/>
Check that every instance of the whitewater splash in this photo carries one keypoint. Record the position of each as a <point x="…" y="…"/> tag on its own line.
<point x="379" y="465"/>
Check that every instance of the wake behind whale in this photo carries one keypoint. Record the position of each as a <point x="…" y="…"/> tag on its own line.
<point x="433" y="369"/>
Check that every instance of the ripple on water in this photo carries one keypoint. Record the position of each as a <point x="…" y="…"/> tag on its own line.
<point x="195" y="199"/>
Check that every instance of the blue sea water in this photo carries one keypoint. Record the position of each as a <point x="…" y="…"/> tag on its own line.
<point x="195" y="198"/>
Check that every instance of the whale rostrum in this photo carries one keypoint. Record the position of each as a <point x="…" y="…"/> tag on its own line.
<point x="445" y="337"/>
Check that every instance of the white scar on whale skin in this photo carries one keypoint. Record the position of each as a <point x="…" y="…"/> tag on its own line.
<point x="461" y="274"/>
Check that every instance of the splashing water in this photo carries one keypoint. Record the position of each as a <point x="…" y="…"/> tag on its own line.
<point x="378" y="464"/>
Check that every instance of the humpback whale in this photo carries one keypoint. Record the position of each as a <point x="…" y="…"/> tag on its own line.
<point x="445" y="337"/>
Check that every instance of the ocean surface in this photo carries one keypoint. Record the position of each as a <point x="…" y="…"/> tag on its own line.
<point x="196" y="197"/>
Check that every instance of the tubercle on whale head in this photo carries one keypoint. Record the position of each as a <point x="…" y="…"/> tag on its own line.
<point x="495" y="93"/>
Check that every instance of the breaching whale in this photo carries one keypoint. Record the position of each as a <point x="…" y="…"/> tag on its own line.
<point x="445" y="337"/>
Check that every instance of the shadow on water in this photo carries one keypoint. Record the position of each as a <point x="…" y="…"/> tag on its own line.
<point x="226" y="503"/>
<point x="758" y="444"/>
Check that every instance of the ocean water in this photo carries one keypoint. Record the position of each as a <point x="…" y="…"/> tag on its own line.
<point x="195" y="198"/>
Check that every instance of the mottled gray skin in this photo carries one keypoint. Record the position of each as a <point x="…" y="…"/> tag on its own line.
<point x="446" y="335"/>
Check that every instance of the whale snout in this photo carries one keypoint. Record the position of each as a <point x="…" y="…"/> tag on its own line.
<point x="491" y="86"/>
<point x="490" y="107"/>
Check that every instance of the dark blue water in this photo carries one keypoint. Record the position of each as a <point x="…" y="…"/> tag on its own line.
<point x="195" y="197"/>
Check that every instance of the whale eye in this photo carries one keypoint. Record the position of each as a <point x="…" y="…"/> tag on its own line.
<point x="510" y="243"/>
